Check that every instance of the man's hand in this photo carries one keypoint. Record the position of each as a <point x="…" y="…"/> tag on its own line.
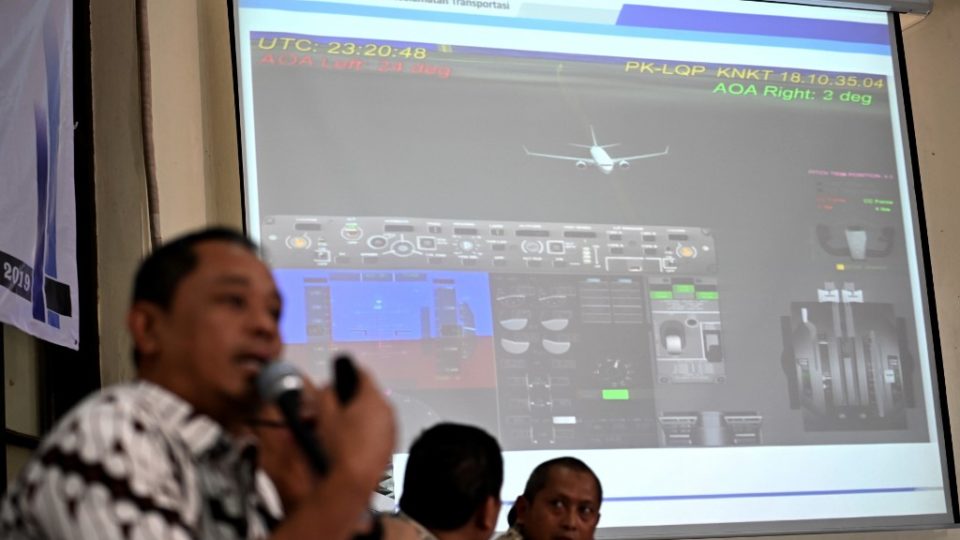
<point x="359" y="436"/>
<point x="359" y="439"/>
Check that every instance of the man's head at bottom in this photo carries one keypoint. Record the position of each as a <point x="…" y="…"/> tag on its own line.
<point x="453" y="480"/>
<point x="561" y="501"/>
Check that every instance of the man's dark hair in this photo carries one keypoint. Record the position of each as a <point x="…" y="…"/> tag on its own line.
<point x="541" y="475"/>
<point x="451" y="472"/>
<point x="162" y="271"/>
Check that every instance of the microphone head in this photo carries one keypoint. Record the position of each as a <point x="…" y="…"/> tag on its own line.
<point x="277" y="379"/>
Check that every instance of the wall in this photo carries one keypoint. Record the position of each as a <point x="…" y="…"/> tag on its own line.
<point x="20" y="392"/>
<point x="118" y="174"/>
<point x="932" y="49"/>
<point x="194" y="134"/>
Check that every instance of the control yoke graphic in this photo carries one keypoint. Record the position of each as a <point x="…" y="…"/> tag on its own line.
<point x="856" y="242"/>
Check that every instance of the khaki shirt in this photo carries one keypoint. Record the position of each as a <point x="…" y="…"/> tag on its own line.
<point x="511" y="534"/>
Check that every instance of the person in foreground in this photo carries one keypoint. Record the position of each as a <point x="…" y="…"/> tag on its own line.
<point x="451" y="486"/>
<point x="167" y="455"/>
<point x="561" y="501"/>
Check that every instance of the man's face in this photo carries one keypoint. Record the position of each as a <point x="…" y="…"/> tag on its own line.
<point x="567" y="508"/>
<point x="220" y="329"/>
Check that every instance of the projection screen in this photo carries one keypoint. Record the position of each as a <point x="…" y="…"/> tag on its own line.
<point x="678" y="239"/>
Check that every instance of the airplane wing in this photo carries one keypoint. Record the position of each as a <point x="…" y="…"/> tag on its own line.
<point x="644" y="156"/>
<point x="552" y="156"/>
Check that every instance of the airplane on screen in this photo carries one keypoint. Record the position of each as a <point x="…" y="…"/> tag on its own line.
<point x="599" y="157"/>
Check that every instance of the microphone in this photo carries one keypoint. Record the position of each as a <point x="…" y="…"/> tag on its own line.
<point x="281" y="384"/>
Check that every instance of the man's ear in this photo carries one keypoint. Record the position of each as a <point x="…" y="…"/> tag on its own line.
<point x="142" y="321"/>
<point x="487" y="515"/>
<point x="523" y="506"/>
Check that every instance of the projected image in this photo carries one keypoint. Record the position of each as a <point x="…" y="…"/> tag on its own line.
<point x="599" y="157"/>
<point x="569" y="309"/>
<point x="508" y="163"/>
<point x="575" y="370"/>
<point x="847" y="362"/>
<point x="425" y="335"/>
<point x="686" y="318"/>
<point x="859" y="219"/>
<point x="710" y="428"/>
<point x="676" y="241"/>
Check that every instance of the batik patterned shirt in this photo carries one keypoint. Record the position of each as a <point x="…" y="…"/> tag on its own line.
<point x="511" y="534"/>
<point x="136" y="461"/>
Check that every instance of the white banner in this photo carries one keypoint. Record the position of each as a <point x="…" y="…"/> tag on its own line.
<point x="38" y="266"/>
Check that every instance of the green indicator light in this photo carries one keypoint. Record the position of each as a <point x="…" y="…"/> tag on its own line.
<point x="683" y="289"/>
<point x="661" y="295"/>
<point x="708" y="295"/>
<point x="616" y="394"/>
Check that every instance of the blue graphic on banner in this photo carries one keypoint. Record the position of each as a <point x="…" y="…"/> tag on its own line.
<point x="51" y="51"/>
<point x="38" y="286"/>
<point x="39" y="310"/>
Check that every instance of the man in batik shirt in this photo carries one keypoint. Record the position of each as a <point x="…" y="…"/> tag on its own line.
<point x="167" y="456"/>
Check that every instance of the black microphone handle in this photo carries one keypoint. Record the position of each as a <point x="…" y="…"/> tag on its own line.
<point x="345" y="378"/>
<point x="289" y="404"/>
